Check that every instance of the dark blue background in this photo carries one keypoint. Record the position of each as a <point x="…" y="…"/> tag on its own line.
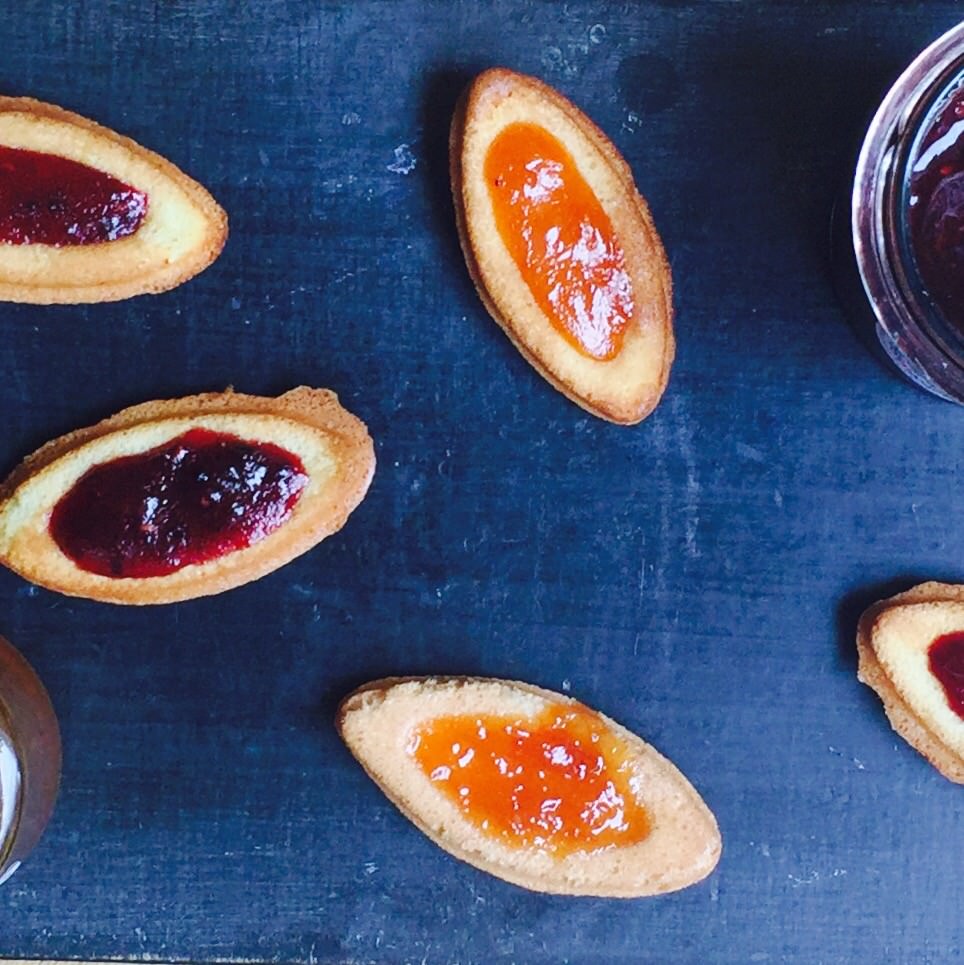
<point x="697" y="577"/>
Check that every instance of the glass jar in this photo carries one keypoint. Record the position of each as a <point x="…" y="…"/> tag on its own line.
<point x="29" y="759"/>
<point x="924" y="340"/>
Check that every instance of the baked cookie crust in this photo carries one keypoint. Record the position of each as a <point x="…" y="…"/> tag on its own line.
<point x="333" y="445"/>
<point x="899" y="712"/>
<point x="628" y="387"/>
<point x="682" y="847"/>
<point x="182" y="233"/>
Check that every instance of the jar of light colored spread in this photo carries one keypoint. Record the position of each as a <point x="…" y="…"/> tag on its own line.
<point x="29" y="759"/>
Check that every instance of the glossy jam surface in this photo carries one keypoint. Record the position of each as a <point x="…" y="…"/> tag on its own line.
<point x="946" y="657"/>
<point x="560" y="238"/>
<point x="194" y="499"/>
<point x="560" y="782"/>
<point x="51" y="200"/>
<point x="936" y="215"/>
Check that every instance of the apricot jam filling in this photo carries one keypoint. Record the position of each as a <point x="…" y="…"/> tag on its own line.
<point x="560" y="238"/>
<point x="560" y="782"/>
<point x="191" y="500"/>
<point x="50" y="200"/>
<point x="946" y="659"/>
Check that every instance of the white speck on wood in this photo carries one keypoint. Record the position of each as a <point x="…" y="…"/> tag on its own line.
<point x="692" y="488"/>
<point x="333" y="185"/>
<point x="750" y="452"/>
<point x="404" y="162"/>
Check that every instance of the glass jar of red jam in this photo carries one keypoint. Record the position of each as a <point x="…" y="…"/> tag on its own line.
<point x="907" y="219"/>
<point x="29" y="759"/>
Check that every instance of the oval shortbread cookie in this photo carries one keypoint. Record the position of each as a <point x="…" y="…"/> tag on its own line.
<point x="87" y="215"/>
<point x="904" y="639"/>
<point x="912" y="697"/>
<point x="561" y="246"/>
<point x="182" y="498"/>
<point x="532" y="786"/>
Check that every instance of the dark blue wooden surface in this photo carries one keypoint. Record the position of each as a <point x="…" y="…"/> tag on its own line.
<point x="698" y="577"/>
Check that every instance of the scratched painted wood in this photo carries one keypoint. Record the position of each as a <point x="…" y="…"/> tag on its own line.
<point x="697" y="578"/>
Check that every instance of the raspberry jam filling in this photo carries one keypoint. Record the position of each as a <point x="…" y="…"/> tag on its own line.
<point x="936" y="212"/>
<point x="560" y="782"/>
<point x="51" y="200"/>
<point x="560" y="238"/>
<point x="946" y="659"/>
<point x="189" y="501"/>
